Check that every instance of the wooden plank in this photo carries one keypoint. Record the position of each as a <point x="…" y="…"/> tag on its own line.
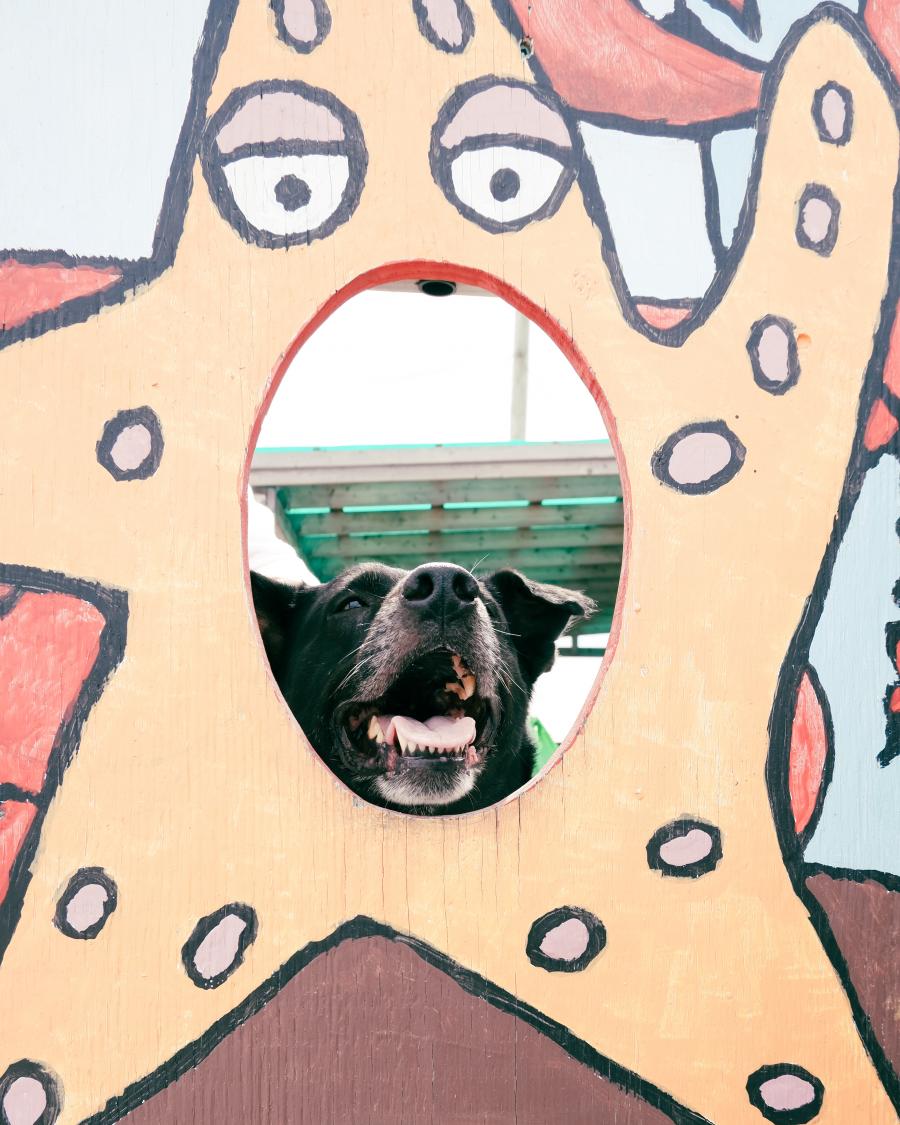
<point x="536" y="515"/>
<point x="448" y="492"/>
<point x="285" y="468"/>
<point x="437" y="544"/>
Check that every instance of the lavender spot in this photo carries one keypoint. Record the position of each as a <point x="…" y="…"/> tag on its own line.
<point x="567" y="942"/>
<point x="216" y="947"/>
<point x="684" y="850"/>
<point x="24" y="1101"/>
<point x="787" y="1092"/>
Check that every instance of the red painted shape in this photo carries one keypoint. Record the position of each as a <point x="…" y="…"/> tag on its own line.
<point x="27" y="289"/>
<point x="892" y="363"/>
<point x="883" y="22"/>
<point x="608" y="57"/>
<point x="15" y="820"/>
<point x="4" y="590"/>
<point x="663" y="316"/>
<point x="895" y="700"/>
<point x="880" y="428"/>
<point x="48" y="646"/>
<point x="808" y="753"/>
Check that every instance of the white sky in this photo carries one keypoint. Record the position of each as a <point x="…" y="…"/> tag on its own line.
<point x="393" y="368"/>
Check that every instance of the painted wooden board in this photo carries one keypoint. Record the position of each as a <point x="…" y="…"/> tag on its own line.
<point x="692" y="912"/>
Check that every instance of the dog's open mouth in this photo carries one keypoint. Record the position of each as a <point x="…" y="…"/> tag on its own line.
<point x="433" y="717"/>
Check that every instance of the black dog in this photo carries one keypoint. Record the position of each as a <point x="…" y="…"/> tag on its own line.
<point x="414" y="686"/>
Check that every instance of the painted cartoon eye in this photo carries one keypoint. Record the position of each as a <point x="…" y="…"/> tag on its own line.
<point x="285" y="163"/>
<point x="502" y="154"/>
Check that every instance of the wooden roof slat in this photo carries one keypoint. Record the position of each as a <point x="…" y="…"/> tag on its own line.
<point x="534" y="515"/>
<point x="376" y="493"/>
<point x="436" y="544"/>
<point x="285" y="468"/>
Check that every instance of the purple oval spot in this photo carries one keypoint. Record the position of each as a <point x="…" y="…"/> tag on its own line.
<point x="774" y="357"/>
<point x="685" y="848"/>
<point x="216" y="947"/>
<point x="833" y="113"/>
<point x="446" y="24"/>
<point x="131" y="448"/>
<point x="24" y="1101"/>
<point x="690" y="848"/>
<point x="86" y="907"/>
<point x="216" y="953"/>
<point x="699" y="458"/>
<point x="818" y="218"/>
<point x="131" y="445"/>
<point x="28" y="1095"/>
<point x="566" y="942"/>
<point x="302" y="24"/>
<point x="86" y="903"/>
<point x="787" y="1091"/>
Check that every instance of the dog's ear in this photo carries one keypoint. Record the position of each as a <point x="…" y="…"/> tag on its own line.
<point x="537" y="614"/>
<point x="275" y="604"/>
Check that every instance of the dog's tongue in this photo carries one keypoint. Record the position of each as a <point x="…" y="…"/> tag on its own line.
<point x="440" y="732"/>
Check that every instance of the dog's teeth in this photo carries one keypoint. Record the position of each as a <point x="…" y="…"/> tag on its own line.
<point x="374" y="730"/>
<point x="468" y="685"/>
<point x="455" y="689"/>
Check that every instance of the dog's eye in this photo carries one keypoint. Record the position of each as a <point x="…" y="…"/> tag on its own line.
<point x="351" y="602"/>
<point x="285" y="163"/>
<point x="502" y="153"/>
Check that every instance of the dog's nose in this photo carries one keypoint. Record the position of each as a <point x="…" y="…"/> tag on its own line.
<point x="440" y="588"/>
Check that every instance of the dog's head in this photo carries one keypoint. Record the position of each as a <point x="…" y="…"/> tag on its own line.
<point x="414" y="685"/>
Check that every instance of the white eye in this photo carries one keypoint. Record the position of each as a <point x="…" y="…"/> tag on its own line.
<point x="504" y="187"/>
<point x="285" y="162"/>
<point x="289" y="196"/>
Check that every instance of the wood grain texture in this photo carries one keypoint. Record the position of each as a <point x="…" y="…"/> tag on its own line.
<point x="194" y="788"/>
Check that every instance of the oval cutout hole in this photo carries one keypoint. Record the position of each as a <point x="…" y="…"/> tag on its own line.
<point x="449" y="512"/>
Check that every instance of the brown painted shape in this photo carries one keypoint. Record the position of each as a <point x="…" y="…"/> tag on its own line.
<point x="865" y="920"/>
<point x="414" y="1047"/>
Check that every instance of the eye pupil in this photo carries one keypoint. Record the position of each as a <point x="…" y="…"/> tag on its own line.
<point x="505" y="184"/>
<point x="292" y="193"/>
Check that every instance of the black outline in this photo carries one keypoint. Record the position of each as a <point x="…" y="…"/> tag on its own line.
<point x="785" y="1116"/>
<point x="441" y="158"/>
<point x="711" y="201"/>
<point x="686" y="25"/>
<point x="303" y="46"/>
<point x="9" y="601"/>
<point x="213" y="161"/>
<point x="674" y="830"/>
<point x="113" y="605"/>
<point x="141" y="416"/>
<point x="86" y="877"/>
<point x="773" y="386"/>
<point x="891" y="748"/>
<point x="170" y="222"/>
<point x="825" y="245"/>
<point x="659" y="462"/>
<point x="362" y="927"/>
<point x="551" y="921"/>
<point x="25" y="1068"/>
<point x="466" y="23"/>
<point x="205" y="927"/>
<point x="819" y="117"/>
<point x="760" y="119"/>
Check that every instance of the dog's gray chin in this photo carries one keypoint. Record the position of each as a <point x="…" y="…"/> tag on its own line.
<point x="424" y="787"/>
